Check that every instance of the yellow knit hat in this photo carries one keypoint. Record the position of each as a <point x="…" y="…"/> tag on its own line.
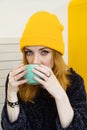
<point x="43" y="29"/>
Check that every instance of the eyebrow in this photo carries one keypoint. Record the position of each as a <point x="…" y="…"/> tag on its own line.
<point x="43" y="48"/>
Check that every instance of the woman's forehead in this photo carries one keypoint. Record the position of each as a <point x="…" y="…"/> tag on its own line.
<point x="36" y="47"/>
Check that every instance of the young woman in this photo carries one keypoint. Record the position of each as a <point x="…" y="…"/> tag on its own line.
<point x="59" y="102"/>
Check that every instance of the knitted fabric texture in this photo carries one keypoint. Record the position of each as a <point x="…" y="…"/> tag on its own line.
<point x="43" y="29"/>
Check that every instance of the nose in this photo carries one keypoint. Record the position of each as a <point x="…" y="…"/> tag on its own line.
<point x="36" y="59"/>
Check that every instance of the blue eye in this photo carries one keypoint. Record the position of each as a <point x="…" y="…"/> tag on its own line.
<point x="44" y="52"/>
<point x="28" y="52"/>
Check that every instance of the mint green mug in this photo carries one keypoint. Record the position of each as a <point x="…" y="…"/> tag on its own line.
<point x="30" y="75"/>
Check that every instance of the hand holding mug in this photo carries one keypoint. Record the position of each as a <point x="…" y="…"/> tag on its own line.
<point x="16" y="78"/>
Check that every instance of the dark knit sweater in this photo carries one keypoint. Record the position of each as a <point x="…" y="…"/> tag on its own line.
<point x="42" y="115"/>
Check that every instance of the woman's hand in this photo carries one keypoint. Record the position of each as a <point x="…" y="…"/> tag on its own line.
<point x="52" y="85"/>
<point x="15" y="78"/>
<point x="48" y="80"/>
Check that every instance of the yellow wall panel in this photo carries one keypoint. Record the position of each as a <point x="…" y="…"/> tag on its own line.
<point x="77" y="40"/>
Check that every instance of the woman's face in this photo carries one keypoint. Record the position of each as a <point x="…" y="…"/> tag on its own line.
<point x="39" y="55"/>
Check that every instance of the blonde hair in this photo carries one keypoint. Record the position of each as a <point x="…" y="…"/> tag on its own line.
<point x="61" y="70"/>
<point x="28" y="92"/>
